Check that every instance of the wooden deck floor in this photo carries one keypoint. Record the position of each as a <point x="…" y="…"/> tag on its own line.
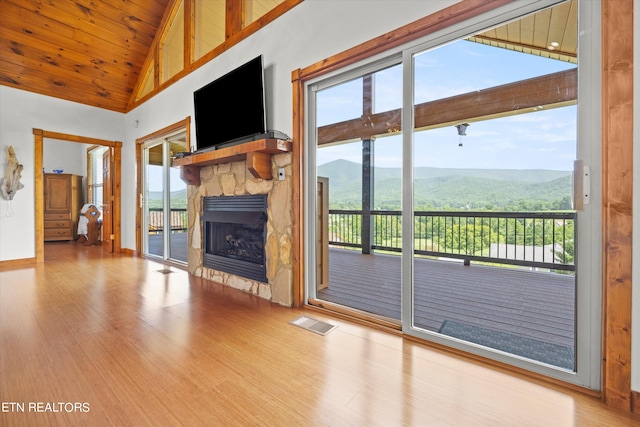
<point x="178" y="246"/>
<point x="530" y="304"/>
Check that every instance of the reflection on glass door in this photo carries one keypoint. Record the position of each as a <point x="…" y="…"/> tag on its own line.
<point x="165" y="201"/>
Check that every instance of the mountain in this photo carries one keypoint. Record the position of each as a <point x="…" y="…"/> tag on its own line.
<point x="345" y="171"/>
<point x="451" y="188"/>
<point x="178" y="199"/>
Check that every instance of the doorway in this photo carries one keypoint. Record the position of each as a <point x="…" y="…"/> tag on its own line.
<point x="161" y="218"/>
<point x="115" y="148"/>
<point x="164" y="200"/>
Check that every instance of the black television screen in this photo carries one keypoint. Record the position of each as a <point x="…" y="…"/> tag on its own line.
<point x="232" y="107"/>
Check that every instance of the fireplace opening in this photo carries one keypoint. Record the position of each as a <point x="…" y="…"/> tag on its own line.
<point x="241" y="241"/>
<point x="235" y="229"/>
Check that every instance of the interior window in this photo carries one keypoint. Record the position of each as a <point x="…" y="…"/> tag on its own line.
<point x="95" y="176"/>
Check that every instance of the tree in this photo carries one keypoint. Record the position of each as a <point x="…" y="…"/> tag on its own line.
<point x="467" y="238"/>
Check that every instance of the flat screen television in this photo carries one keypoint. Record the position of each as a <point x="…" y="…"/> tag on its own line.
<point x="231" y="109"/>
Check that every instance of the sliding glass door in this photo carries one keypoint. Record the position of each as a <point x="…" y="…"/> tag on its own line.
<point x="453" y="187"/>
<point x="358" y="176"/>
<point x="164" y="201"/>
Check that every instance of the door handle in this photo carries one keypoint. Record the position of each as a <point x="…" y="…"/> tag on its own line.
<point x="581" y="185"/>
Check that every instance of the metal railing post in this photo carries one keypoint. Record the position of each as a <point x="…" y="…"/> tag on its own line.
<point x="366" y="225"/>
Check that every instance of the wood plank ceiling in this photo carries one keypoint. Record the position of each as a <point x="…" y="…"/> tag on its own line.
<point x="550" y="33"/>
<point x="92" y="52"/>
<point x="81" y="50"/>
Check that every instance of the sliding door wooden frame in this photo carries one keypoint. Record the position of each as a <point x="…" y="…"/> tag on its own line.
<point x="39" y="136"/>
<point x="617" y="201"/>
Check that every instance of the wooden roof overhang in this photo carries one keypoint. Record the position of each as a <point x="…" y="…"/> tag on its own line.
<point x="550" y="33"/>
<point x="548" y="91"/>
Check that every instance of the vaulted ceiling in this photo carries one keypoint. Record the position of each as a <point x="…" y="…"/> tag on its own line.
<point x="82" y="50"/>
<point x="93" y="52"/>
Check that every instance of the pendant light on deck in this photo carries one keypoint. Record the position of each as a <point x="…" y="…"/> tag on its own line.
<point x="462" y="131"/>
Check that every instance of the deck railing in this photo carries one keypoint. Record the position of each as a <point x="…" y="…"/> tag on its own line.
<point x="532" y="239"/>
<point x="178" y="220"/>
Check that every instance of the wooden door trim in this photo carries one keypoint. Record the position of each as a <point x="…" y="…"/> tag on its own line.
<point x="175" y="127"/>
<point x="617" y="201"/>
<point x="108" y="189"/>
<point x="39" y="136"/>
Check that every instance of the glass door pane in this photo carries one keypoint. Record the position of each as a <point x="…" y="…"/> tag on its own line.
<point x="154" y="196"/>
<point x="177" y="222"/>
<point x="494" y="147"/>
<point x="358" y="235"/>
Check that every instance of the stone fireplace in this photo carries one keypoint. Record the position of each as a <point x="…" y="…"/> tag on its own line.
<point x="241" y="228"/>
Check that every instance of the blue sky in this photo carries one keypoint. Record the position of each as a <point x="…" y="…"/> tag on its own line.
<point x="542" y="140"/>
<point x="154" y="177"/>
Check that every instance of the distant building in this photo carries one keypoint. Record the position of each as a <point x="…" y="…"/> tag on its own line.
<point x="546" y="253"/>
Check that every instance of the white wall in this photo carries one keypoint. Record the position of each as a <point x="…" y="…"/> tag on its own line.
<point x="70" y="157"/>
<point x="20" y="113"/>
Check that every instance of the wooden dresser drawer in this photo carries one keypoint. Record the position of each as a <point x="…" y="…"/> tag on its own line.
<point x="57" y="234"/>
<point x="56" y="216"/>
<point x="57" y="224"/>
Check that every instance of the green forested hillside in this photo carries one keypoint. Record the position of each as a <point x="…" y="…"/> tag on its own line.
<point x="467" y="189"/>
<point x="178" y="199"/>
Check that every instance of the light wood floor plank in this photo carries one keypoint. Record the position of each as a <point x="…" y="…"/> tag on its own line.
<point x="143" y="348"/>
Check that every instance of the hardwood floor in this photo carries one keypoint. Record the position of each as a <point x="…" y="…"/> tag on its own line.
<point x="118" y="341"/>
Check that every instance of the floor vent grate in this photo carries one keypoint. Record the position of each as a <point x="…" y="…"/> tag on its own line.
<point x="165" y="271"/>
<point x="313" y="325"/>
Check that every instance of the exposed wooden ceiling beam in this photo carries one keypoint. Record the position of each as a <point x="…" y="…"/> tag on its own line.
<point x="548" y="91"/>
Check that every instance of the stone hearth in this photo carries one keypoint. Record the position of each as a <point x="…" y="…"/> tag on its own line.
<point x="234" y="179"/>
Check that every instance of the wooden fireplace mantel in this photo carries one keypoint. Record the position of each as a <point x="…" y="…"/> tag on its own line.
<point x="257" y="154"/>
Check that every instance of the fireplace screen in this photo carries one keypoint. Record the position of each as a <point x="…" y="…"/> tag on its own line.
<point x="235" y="229"/>
<point x="239" y="241"/>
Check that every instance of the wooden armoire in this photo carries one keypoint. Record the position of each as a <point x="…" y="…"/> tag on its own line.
<point x="62" y="204"/>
